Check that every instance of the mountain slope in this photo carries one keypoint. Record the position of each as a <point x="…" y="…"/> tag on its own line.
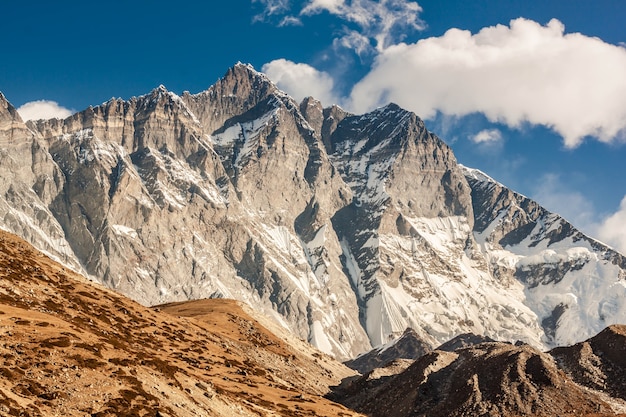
<point x="71" y="347"/>
<point x="598" y="362"/>
<point x="575" y="284"/>
<point x="408" y="346"/>
<point x="489" y="379"/>
<point x="346" y="229"/>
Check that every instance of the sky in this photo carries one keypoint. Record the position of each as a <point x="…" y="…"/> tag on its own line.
<point x="533" y="93"/>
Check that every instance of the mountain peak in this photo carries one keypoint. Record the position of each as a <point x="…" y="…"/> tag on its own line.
<point x="158" y="91"/>
<point x="8" y="113"/>
<point x="9" y="117"/>
<point x="239" y="90"/>
<point x="391" y="108"/>
<point x="478" y="176"/>
<point x="407" y="346"/>
<point x="240" y="72"/>
<point x="246" y="66"/>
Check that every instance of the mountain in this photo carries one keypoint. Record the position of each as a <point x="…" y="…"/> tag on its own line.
<point x="573" y="283"/>
<point x="408" y="346"/>
<point x="463" y="341"/>
<point x="345" y="229"/>
<point x="488" y="379"/>
<point x="598" y="362"/>
<point x="72" y="347"/>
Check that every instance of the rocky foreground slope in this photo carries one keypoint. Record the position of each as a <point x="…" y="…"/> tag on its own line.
<point x="70" y="347"/>
<point x="346" y="229"/>
<point x="498" y="379"/>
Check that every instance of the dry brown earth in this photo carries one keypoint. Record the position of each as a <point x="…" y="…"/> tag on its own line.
<point x="489" y="379"/>
<point x="69" y="347"/>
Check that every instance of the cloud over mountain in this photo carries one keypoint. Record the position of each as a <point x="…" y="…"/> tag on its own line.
<point x="43" y="109"/>
<point x="524" y="72"/>
<point x="513" y="74"/>
<point x="301" y="80"/>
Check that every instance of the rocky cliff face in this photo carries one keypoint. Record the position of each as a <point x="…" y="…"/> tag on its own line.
<point x="574" y="284"/>
<point x="346" y="229"/>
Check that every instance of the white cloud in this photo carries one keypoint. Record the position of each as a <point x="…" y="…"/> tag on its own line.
<point x="271" y="8"/>
<point x="385" y="21"/>
<point x="356" y="42"/>
<point x="487" y="136"/>
<point x="524" y="72"/>
<point x="43" y="109"/>
<point x="301" y="80"/>
<point x="290" y="21"/>
<point x="613" y="229"/>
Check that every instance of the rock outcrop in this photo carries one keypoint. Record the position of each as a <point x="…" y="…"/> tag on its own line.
<point x="407" y="347"/>
<point x="489" y="379"/>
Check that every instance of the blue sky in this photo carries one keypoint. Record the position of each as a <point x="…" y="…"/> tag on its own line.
<point x="531" y="92"/>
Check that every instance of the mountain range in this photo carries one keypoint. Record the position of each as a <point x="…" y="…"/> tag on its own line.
<point x="72" y="347"/>
<point x="344" y="229"/>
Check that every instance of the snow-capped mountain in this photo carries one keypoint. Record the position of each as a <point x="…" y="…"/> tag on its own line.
<point x="347" y="229"/>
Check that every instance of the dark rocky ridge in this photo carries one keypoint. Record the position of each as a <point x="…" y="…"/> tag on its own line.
<point x="408" y="346"/>
<point x="491" y="379"/>
<point x="599" y="362"/>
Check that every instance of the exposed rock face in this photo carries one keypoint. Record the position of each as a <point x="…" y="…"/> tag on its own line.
<point x="139" y="196"/>
<point x="490" y="379"/>
<point x="463" y="341"/>
<point x="346" y="229"/>
<point x="408" y="346"/>
<point x="598" y="363"/>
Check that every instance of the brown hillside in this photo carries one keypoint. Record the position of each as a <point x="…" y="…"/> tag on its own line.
<point x="599" y="362"/>
<point x="69" y="347"/>
<point x="490" y="379"/>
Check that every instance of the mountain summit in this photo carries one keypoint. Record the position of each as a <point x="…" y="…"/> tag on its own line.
<point x="346" y="229"/>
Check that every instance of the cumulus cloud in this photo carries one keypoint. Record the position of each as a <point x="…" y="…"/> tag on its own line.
<point x="384" y="21"/>
<point x="514" y="74"/>
<point x="43" y="109"/>
<point x="488" y="136"/>
<point x="612" y="230"/>
<point x="301" y="80"/>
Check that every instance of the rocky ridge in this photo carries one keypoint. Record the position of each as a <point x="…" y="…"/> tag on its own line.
<point x="407" y="347"/>
<point x="496" y="379"/>
<point x="346" y="229"/>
